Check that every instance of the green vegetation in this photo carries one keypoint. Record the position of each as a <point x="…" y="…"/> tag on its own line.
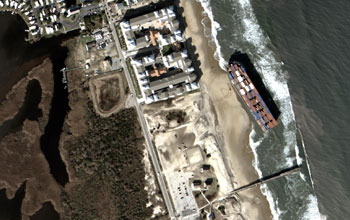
<point x="120" y="37"/>
<point x="134" y="79"/>
<point x="84" y="38"/>
<point x="179" y="115"/>
<point x="107" y="163"/>
<point x="93" y="22"/>
<point x="171" y="48"/>
<point x="167" y="50"/>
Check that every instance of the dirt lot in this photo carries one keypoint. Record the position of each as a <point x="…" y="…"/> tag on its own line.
<point x="108" y="93"/>
<point x="97" y="59"/>
<point x="187" y="144"/>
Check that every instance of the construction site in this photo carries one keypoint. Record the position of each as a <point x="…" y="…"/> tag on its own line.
<point x="188" y="146"/>
<point x="108" y="93"/>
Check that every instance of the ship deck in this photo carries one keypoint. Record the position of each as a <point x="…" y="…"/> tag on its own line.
<point x="251" y="97"/>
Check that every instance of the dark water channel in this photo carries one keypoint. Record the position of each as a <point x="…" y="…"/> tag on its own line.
<point x="47" y="212"/>
<point x="10" y="209"/>
<point x="49" y="142"/>
<point x="29" y="110"/>
<point x="17" y="58"/>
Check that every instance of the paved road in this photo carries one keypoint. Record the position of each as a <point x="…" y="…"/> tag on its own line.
<point x="144" y="127"/>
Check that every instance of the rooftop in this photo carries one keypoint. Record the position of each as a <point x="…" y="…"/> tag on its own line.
<point x="171" y="80"/>
<point x="142" y="19"/>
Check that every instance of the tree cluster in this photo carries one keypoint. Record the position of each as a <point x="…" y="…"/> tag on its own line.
<point x="93" y="22"/>
<point x="108" y="160"/>
<point x="177" y="115"/>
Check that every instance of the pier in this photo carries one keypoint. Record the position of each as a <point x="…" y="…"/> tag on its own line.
<point x="268" y="178"/>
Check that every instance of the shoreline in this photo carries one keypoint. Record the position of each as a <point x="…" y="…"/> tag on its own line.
<point x="19" y="13"/>
<point x="33" y="165"/>
<point x="228" y="110"/>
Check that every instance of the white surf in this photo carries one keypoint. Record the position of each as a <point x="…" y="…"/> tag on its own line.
<point x="271" y="72"/>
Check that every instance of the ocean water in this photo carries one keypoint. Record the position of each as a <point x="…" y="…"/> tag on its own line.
<point x="301" y="50"/>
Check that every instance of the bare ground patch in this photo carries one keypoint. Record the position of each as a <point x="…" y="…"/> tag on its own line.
<point x="185" y="135"/>
<point x="108" y="93"/>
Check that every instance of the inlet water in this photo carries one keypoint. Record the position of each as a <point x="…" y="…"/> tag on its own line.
<point x="49" y="142"/>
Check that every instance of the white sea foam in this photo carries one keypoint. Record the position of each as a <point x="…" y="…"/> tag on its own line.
<point x="300" y="162"/>
<point x="267" y="63"/>
<point x="306" y="159"/>
<point x="219" y="56"/>
<point x="276" y="212"/>
<point x="302" y="176"/>
<point x="297" y="154"/>
<point x="312" y="210"/>
<point x="277" y="84"/>
<point x="215" y="27"/>
<point x="270" y="68"/>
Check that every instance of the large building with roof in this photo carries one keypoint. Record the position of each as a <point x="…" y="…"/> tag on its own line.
<point x="162" y="77"/>
<point x="160" y="59"/>
<point x="158" y="27"/>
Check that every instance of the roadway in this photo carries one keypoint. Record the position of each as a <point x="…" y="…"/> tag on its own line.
<point x="85" y="10"/>
<point x="144" y="126"/>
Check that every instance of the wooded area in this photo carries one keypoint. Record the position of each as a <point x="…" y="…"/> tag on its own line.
<point x="108" y="161"/>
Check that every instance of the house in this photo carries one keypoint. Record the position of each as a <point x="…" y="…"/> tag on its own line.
<point x="208" y="181"/>
<point x="204" y="167"/>
<point x="90" y="45"/>
<point x="196" y="184"/>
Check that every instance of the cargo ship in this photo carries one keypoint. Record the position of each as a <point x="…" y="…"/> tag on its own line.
<point x="246" y="89"/>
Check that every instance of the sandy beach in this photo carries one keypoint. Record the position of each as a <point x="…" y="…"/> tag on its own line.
<point x="233" y="121"/>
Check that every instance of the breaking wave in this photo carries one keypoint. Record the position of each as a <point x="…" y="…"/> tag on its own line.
<point x="215" y="27"/>
<point x="273" y="78"/>
<point x="312" y="211"/>
<point x="264" y="189"/>
<point x="269" y="68"/>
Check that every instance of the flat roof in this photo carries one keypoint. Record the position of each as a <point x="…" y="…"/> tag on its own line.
<point x="141" y="42"/>
<point x="171" y="80"/>
<point x="142" y="19"/>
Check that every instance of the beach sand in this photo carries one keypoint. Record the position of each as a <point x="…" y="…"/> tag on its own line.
<point x="233" y="121"/>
